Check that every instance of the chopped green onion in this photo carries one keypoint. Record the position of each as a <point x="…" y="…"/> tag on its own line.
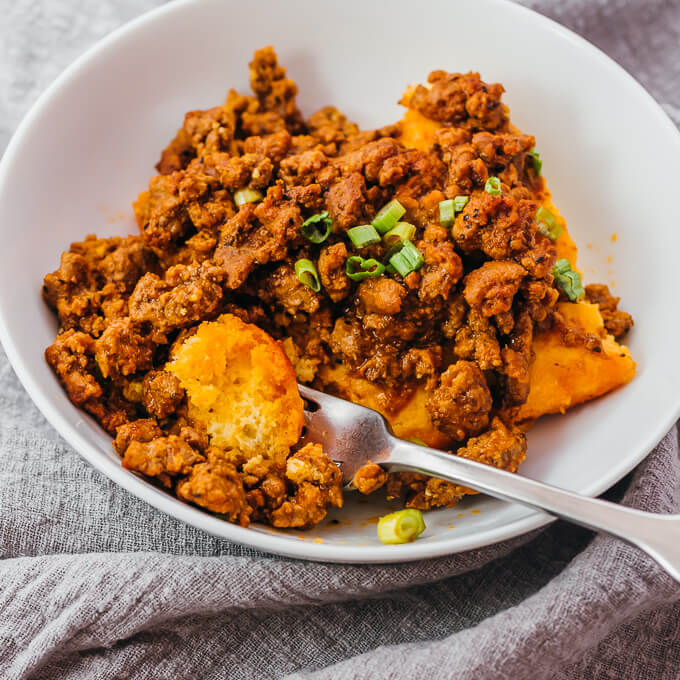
<point x="413" y="255"/>
<point x="402" y="526"/>
<point x="394" y="248"/>
<point x="407" y="260"/>
<point x="447" y="212"/>
<point x="459" y="202"/>
<point x="401" y="265"/>
<point x="548" y="224"/>
<point x="417" y="440"/>
<point x="402" y="232"/>
<point x="363" y="235"/>
<point x="449" y="208"/>
<point x="568" y="280"/>
<point x="307" y="275"/>
<point x="388" y="216"/>
<point x="310" y="227"/>
<point x="243" y="196"/>
<point x="536" y="160"/>
<point x="493" y="186"/>
<point x="359" y="269"/>
<point x="562" y="266"/>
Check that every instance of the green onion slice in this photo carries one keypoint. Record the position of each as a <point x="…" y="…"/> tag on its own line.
<point x="413" y="255"/>
<point x="400" y="264"/>
<point x="359" y="269"/>
<point x="402" y="526"/>
<point x="403" y="231"/>
<point x="449" y="208"/>
<point x="363" y="235"/>
<point x="407" y="260"/>
<point x="493" y="186"/>
<point x="307" y="275"/>
<point x="536" y="161"/>
<point x="243" y="196"/>
<point x="388" y="216"/>
<point x="548" y="224"/>
<point x="447" y="212"/>
<point x="317" y="227"/>
<point x="459" y="202"/>
<point x="568" y="280"/>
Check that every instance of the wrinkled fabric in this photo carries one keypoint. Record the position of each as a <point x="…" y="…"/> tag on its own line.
<point x="94" y="583"/>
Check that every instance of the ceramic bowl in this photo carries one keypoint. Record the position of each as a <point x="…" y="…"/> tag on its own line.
<point x="610" y="155"/>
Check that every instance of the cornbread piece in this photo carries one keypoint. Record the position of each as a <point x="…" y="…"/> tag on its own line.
<point x="241" y="386"/>
<point x="569" y="371"/>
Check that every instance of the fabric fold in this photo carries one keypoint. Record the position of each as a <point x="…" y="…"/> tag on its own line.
<point x="94" y="583"/>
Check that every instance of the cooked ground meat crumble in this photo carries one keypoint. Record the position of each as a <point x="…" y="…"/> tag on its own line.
<point x="461" y="325"/>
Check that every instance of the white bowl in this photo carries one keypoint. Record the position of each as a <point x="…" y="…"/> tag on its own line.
<point x="611" y="157"/>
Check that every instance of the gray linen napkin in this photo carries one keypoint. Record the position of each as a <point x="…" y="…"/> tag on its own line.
<point x="96" y="584"/>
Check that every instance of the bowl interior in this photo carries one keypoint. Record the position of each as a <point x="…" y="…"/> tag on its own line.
<point x="611" y="159"/>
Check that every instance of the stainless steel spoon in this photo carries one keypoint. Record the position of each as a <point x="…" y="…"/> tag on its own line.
<point x="352" y="435"/>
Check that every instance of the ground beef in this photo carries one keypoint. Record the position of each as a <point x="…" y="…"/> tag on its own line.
<point x="317" y="482"/>
<point x="514" y="376"/>
<point x="369" y="478"/>
<point x="329" y="125"/>
<point x="215" y="485"/>
<point x="143" y="430"/>
<point x="442" y="270"/>
<point x="461" y="403"/>
<point x="122" y="349"/>
<point x="423" y="492"/>
<point x="501" y="445"/>
<point x="457" y="332"/>
<point x="281" y="288"/>
<point x="163" y="457"/>
<point x="616" y="322"/>
<point x="71" y="357"/>
<point x="498" y="151"/>
<point x="493" y="286"/>
<point x="477" y="340"/>
<point x="187" y="294"/>
<point x="93" y="281"/>
<point x="257" y="235"/>
<point x="304" y="168"/>
<point x="332" y="262"/>
<point x="162" y="393"/>
<point x="461" y="99"/>
<point x="161" y="211"/>
<point x="348" y="202"/>
<point x="274" y="146"/>
<point x="275" y="92"/>
<point x="381" y="296"/>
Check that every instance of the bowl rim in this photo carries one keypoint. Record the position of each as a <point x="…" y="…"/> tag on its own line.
<point x="271" y="543"/>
